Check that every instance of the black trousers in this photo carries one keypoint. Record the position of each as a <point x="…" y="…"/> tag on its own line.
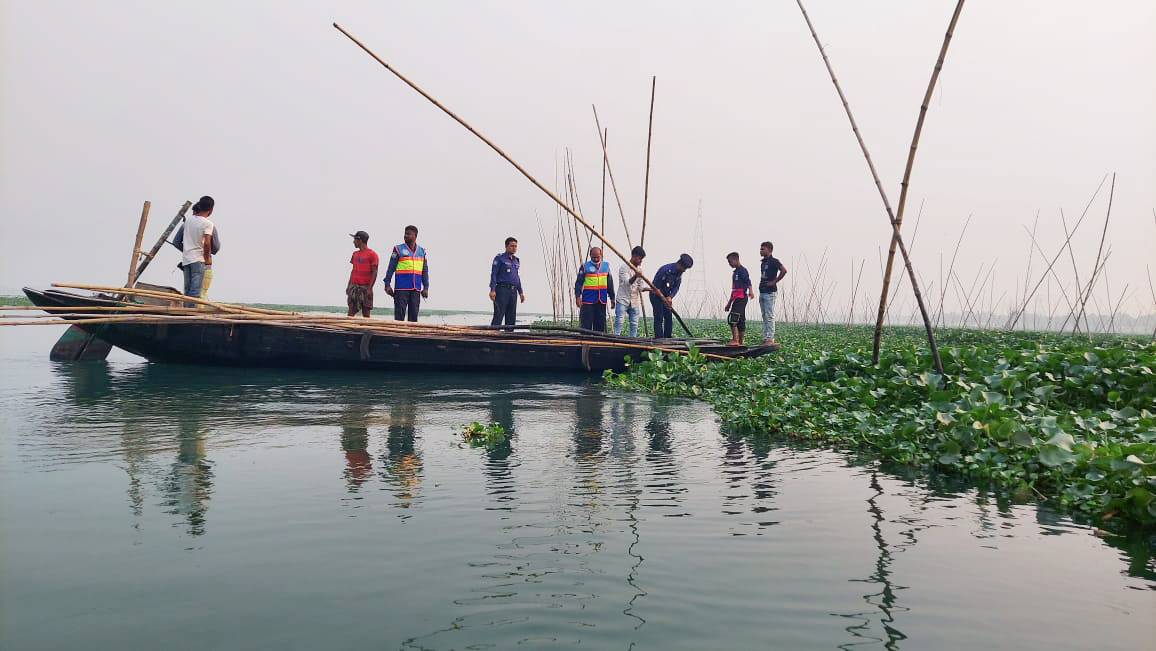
<point x="406" y="300"/>
<point x="592" y="316"/>
<point x="505" y="304"/>
<point x="663" y="318"/>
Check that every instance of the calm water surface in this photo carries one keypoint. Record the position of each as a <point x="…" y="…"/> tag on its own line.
<point x="148" y="506"/>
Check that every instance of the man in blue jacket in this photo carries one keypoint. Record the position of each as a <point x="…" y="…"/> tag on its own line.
<point x="667" y="280"/>
<point x="591" y="290"/>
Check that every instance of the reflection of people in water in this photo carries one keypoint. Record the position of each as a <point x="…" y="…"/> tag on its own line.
<point x="191" y="478"/>
<point x="658" y="430"/>
<point x="402" y="464"/>
<point x="355" y="443"/>
<point x="588" y="422"/>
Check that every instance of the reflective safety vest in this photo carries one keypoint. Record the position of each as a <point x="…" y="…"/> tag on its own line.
<point x="410" y="265"/>
<point x="594" y="284"/>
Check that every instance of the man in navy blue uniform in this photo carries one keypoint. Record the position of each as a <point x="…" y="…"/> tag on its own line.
<point x="591" y="290"/>
<point x="667" y="280"/>
<point x="505" y="285"/>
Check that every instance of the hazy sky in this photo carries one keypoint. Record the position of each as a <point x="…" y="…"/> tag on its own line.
<point x="302" y="138"/>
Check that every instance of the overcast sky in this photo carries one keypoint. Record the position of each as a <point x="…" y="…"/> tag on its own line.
<point x="302" y="138"/>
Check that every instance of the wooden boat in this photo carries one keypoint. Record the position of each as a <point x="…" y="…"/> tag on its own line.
<point x="229" y="340"/>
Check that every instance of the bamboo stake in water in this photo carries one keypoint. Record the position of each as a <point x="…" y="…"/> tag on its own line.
<point x="136" y="252"/>
<point x="886" y="204"/>
<point x="905" y="184"/>
<point x="531" y="179"/>
<point x="610" y="172"/>
<point x="646" y="183"/>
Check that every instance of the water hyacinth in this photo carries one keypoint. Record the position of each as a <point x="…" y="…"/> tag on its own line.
<point x="1059" y="416"/>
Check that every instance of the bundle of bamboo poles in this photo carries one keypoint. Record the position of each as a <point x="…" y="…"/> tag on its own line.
<point x="210" y="312"/>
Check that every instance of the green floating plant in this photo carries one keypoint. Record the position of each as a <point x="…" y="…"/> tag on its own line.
<point x="1053" y="415"/>
<point x="479" y="435"/>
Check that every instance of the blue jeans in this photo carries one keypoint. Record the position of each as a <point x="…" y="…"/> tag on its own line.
<point x="194" y="280"/>
<point x="767" y="303"/>
<point x="629" y="311"/>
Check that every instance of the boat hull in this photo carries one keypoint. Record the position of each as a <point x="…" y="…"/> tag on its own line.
<point x="291" y="346"/>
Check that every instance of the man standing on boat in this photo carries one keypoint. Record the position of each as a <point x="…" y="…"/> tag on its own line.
<point x="771" y="273"/>
<point x="412" y="282"/>
<point x="591" y="290"/>
<point x="197" y="247"/>
<point x="741" y="292"/>
<point x="667" y="280"/>
<point x="359" y="292"/>
<point x="505" y="285"/>
<point x="629" y="300"/>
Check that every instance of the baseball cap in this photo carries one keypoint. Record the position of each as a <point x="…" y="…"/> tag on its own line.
<point x="360" y="235"/>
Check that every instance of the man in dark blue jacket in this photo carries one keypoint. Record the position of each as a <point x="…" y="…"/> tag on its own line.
<point x="667" y="280"/>
<point x="505" y="285"/>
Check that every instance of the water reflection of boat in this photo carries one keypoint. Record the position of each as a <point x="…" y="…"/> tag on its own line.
<point x="193" y="339"/>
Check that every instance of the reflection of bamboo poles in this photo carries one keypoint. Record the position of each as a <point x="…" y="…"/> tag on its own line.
<point x="518" y="167"/>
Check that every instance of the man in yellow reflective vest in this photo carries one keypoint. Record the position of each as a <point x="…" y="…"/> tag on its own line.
<point x="591" y="290"/>
<point x="410" y="273"/>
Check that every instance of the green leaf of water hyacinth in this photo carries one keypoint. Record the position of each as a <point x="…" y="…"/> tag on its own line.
<point x="1069" y="417"/>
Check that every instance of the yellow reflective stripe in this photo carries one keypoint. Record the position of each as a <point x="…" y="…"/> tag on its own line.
<point x="594" y="281"/>
<point x="410" y="265"/>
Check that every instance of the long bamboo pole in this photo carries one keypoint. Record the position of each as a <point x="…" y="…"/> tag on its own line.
<point x="905" y="184"/>
<point x="886" y="204"/>
<point x="136" y="252"/>
<point x="610" y="172"/>
<point x="646" y="183"/>
<point x="511" y="161"/>
<point x="161" y="240"/>
<point x="1092" y="281"/>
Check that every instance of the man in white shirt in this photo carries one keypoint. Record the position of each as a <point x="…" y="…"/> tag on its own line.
<point x="197" y="252"/>
<point x="629" y="299"/>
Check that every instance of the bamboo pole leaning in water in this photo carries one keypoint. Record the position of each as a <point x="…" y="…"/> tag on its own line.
<point x="905" y="184"/>
<point x="646" y="182"/>
<point x="136" y="252"/>
<point x="587" y="226"/>
<point x="896" y="237"/>
<point x="610" y="171"/>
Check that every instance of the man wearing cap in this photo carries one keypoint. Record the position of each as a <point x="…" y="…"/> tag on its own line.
<point x="505" y="285"/>
<point x="667" y="280"/>
<point x="197" y="247"/>
<point x="591" y="290"/>
<point x="412" y="281"/>
<point x="359" y="292"/>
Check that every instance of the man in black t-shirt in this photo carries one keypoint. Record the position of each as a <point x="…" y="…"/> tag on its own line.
<point x="772" y="271"/>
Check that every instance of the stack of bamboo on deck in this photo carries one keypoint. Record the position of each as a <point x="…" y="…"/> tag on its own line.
<point x="210" y="312"/>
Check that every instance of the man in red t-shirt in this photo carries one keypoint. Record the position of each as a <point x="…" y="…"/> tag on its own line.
<point x="359" y="293"/>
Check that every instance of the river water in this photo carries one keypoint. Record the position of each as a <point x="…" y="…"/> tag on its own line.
<point x="148" y="506"/>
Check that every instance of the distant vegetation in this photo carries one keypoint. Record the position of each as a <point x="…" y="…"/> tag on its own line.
<point x="1061" y="417"/>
